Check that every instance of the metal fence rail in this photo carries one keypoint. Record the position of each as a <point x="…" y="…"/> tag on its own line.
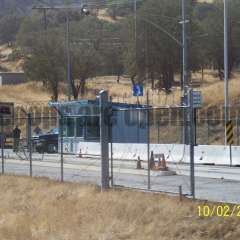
<point x="146" y="149"/>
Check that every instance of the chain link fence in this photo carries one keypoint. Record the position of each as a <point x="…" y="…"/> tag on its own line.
<point x="146" y="148"/>
<point x="147" y="151"/>
<point x="44" y="144"/>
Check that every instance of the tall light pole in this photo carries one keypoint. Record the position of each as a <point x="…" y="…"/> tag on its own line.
<point x="135" y="28"/>
<point x="68" y="57"/>
<point x="226" y="71"/>
<point x="135" y="22"/>
<point x="185" y="82"/>
<point x="184" y="49"/>
<point x="84" y="11"/>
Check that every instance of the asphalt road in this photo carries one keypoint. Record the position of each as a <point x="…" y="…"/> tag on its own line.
<point x="214" y="183"/>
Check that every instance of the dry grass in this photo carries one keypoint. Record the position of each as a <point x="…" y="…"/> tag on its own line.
<point x="30" y="92"/>
<point x="207" y="1"/>
<point x="122" y="92"/>
<point x="103" y="15"/>
<point x="22" y="93"/>
<point x="10" y="65"/>
<point x="37" y="209"/>
<point x="212" y="89"/>
<point x="33" y="92"/>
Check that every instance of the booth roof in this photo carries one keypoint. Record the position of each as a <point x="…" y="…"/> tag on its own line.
<point x="85" y="102"/>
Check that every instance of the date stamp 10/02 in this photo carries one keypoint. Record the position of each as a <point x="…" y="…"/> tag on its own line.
<point x="218" y="210"/>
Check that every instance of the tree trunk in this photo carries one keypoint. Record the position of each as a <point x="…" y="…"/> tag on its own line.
<point x="168" y="77"/>
<point x="152" y="80"/>
<point x="54" y="88"/>
<point x="118" y="78"/>
<point x="220" y="74"/>
<point x="82" y="86"/>
<point x="171" y="77"/>
<point x="133" y="80"/>
<point x="74" y="90"/>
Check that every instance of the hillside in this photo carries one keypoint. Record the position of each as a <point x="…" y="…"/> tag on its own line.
<point x="22" y="7"/>
<point x="18" y="6"/>
<point x="8" y="63"/>
<point x="210" y="84"/>
<point x="36" y="92"/>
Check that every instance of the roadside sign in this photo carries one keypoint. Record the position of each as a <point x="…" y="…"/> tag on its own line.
<point x="197" y="99"/>
<point x="229" y="132"/>
<point x="137" y="90"/>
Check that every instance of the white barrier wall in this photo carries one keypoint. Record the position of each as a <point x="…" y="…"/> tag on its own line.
<point x="204" y="154"/>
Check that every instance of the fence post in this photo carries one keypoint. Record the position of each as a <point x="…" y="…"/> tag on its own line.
<point x="237" y="123"/>
<point x="191" y="141"/>
<point x="148" y="144"/>
<point x="111" y="146"/>
<point x="104" y="139"/>
<point x="2" y="144"/>
<point x="61" y="144"/>
<point x="208" y="130"/>
<point x="29" y="136"/>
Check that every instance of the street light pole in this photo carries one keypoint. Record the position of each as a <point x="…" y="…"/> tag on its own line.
<point x="135" y="21"/>
<point x="135" y="28"/>
<point x="184" y="49"/>
<point x="84" y="11"/>
<point x="68" y="56"/>
<point x="185" y="83"/>
<point x="226" y="70"/>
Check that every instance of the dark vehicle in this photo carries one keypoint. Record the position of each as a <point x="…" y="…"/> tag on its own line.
<point x="47" y="142"/>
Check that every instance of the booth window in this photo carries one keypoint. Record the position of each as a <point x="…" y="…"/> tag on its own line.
<point x="92" y="127"/>
<point x="70" y="127"/>
<point x="64" y="126"/>
<point x="80" y="127"/>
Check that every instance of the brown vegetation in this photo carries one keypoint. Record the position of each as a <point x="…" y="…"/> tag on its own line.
<point x="212" y="88"/>
<point x="37" y="209"/>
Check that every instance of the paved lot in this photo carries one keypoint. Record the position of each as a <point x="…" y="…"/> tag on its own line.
<point x="214" y="183"/>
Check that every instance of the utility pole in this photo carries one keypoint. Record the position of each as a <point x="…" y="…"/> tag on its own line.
<point x="68" y="56"/>
<point x="226" y="71"/>
<point x="104" y="139"/>
<point x="135" y="28"/>
<point x="135" y="21"/>
<point x="185" y="84"/>
<point x="29" y="137"/>
<point x="189" y="123"/>
<point x="184" y="48"/>
<point x="191" y="141"/>
<point x="84" y="11"/>
<point x="2" y="143"/>
<point x="148" y="144"/>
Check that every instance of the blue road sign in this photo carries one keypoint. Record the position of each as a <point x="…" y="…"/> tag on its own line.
<point x="137" y="90"/>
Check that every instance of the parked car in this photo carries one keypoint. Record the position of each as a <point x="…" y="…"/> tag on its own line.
<point x="47" y="142"/>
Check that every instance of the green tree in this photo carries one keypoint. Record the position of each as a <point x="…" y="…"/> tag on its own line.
<point x="9" y="27"/>
<point x="95" y="50"/>
<point x="155" y="54"/>
<point x="211" y="20"/>
<point x="45" y="61"/>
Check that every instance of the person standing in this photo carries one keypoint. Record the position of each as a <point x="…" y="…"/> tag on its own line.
<point x="16" y="138"/>
<point x="37" y="131"/>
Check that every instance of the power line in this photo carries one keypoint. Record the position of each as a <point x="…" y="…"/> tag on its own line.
<point x="84" y="11"/>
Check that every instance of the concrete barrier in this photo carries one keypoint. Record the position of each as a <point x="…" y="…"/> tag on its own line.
<point x="204" y="154"/>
